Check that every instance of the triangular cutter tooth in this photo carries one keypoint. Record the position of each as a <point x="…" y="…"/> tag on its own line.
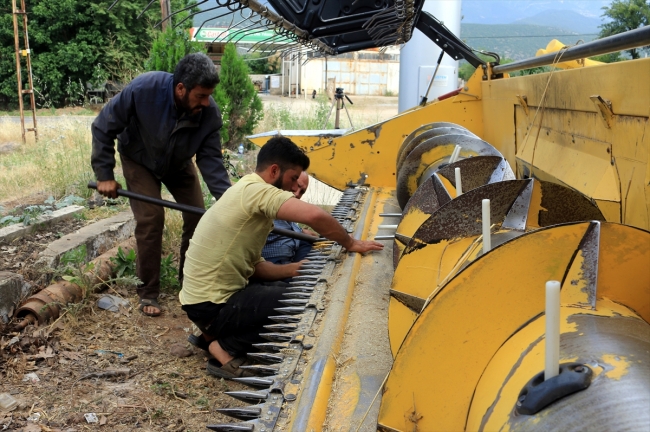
<point x="255" y="381"/>
<point x="297" y="295"/>
<point x="277" y="337"/>
<point x="294" y="302"/>
<point x="248" y="395"/>
<point x="304" y="289"/>
<point x="286" y="318"/>
<point x="291" y="310"/>
<point x="271" y="347"/>
<point x="261" y="369"/>
<point x="247" y="413"/>
<point x="231" y="427"/>
<point x="266" y="358"/>
<point x="281" y="327"/>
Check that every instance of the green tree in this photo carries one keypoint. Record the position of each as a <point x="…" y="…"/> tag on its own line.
<point x="237" y="98"/>
<point x="608" y="58"/>
<point x="263" y="65"/>
<point x="169" y="47"/>
<point x="69" y="38"/>
<point x="625" y="15"/>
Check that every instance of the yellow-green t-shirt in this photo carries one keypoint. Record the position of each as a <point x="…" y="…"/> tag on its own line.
<point x="228" y="241"/>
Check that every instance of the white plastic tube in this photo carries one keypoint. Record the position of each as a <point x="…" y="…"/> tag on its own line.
<point x="459" y="183"/>
<point x="454" y="154"/>
<point x="552" y="354"/>
<point x="487" y="240"/>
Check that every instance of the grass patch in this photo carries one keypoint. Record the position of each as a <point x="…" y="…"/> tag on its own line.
<point x="58" y="164"/>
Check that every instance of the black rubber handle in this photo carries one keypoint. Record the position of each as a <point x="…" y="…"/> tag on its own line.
<point x="196" y="210"/>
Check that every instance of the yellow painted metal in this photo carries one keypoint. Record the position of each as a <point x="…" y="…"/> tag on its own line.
<point x="400" y="320"/>
<point x="624" y="263"/>
<point x="427" y="382"/>
<point x="522" y="356"/>
<point x="555" y="46"/>
<point x="575" y="146"/>
<point x="477" y="326"/>
<point x="420" y="274"/>
<point x="434" y="157"/>
<point x="373" y="150"/>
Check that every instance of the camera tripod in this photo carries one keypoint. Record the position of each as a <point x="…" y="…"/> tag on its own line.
<point x="339" y="101"/>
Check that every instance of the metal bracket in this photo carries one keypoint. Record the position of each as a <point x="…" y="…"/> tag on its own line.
<point x="446" y="40"/>
<point x="605" y="108"/>
<point x="523" y="101"/>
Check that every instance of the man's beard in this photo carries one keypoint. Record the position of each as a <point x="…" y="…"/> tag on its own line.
<point x="278" y="182"/>
<point x="185" y="105"/>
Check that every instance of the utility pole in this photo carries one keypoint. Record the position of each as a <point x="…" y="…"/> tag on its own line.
<point x="27" y="54"/>
<point x="165" y="10"/>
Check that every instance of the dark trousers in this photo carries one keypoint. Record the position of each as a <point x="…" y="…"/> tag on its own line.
<point x="237" y="324"/>
<point x="298" y="255"/>
<point x="185" y="187"/>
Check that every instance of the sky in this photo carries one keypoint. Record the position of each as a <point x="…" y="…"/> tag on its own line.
<point x="507" y="11"/>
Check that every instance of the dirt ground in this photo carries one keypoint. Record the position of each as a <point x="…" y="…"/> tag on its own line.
<point x="74" y="358"/>
<point x="118" y="366"/>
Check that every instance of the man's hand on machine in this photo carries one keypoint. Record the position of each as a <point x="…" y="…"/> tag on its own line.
<point x="363" y="246"/>
<point x="108" y="188"/>
<point x="268" y="271"/>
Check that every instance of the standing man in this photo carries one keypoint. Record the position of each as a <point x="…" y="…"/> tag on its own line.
<point x="284" y="250"/>
<point x="161" y="121"/>
<point x="225" y="252"/>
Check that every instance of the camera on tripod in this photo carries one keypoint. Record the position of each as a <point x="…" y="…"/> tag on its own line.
<point x="339" y="102"/>
<point x="339" y="94"/>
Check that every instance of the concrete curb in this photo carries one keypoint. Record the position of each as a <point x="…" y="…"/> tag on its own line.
<point x="13" y="288"/>
<point x="19" y="230"/>
<point x="97" y="237"/>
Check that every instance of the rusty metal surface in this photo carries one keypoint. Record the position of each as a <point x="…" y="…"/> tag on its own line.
<point x="476" y="171"/>
<point x="562" y="204"/>
<point x="412" y="302"/>
<point x="462" y="216"/>
<point x="588" y="255"/>
<point x="518" y="214"/>
<point x="408" y="146"/>
<point x="432" y="153"/>
<point x="429" y="197"/>
<point x="615" y="403"/>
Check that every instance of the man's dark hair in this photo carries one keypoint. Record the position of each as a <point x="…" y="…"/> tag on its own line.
<point x="282" y="151"/>
<point x="196" y="70"/>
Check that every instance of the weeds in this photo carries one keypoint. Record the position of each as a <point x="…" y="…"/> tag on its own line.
<point x="58" y="164"/>
<point x="124" y="263"/>
<point x="73" y="258"/>
<point x="169" y="274"/>
<point x="28" y="215"/>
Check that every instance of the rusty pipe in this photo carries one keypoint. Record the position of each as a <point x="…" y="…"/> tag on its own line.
<point x="46" y="304"/>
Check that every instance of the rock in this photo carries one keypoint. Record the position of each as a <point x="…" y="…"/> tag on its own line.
<point x="178" y="350"/>
<point x="8" y="147"/>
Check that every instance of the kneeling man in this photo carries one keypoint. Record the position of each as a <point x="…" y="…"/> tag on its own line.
<point x="226" y="251"/>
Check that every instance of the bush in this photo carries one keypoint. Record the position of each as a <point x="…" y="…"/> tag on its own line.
<point x="237" y="98"/>
<point x="169" y="48"/>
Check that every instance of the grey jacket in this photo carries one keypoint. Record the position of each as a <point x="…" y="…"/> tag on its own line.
<point x="148" y="129"/>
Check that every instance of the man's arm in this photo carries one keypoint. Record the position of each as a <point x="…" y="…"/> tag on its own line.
<point x="295" y="210"/>
<point x="268" y="271"/>
<point x="111" y="121"/>
<point x="210" y="162"/>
